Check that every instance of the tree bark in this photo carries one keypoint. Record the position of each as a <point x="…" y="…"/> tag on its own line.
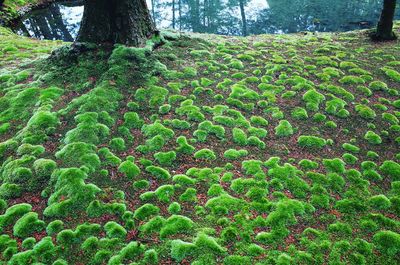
<point x="116" y="21"/>
<point x="384" y="30"/>
<point x="244" y="21"/>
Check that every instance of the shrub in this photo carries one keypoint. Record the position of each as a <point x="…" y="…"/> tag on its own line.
<point x="387" y="242"/>
<point x="176" y="224"/>
<point x="165" y="158"/>
<point x="284" y="128"/>
<point x="372" y="138"/>
<point x="311" y="142"/>
<point x="206" y="154"/>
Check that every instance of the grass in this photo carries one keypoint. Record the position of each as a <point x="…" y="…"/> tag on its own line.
<point x="270" y="149"/>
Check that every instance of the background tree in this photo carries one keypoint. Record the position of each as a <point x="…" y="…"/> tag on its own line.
<point x="116" y="21"/>
<point x="384" y="30"/>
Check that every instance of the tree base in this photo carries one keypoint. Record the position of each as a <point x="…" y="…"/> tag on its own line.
<point x="375" y="36"/>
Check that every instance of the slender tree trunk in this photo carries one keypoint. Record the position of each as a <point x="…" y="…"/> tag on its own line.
<point x="384" y="30"/>
<point x="244" y="21"/>
<point x="153" y="11"/>
<point x="116" y="21"/>
<point x="173" y="14"/>
<point x="180" y="14"/>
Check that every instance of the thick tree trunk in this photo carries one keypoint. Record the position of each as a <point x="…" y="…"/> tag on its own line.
<point x="384" y="30"/>
<point x="116" y="21"/>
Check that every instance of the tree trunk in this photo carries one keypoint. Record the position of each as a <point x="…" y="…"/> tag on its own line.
<point x="244" y="21"/>
<point x="116" y="21"/>
<point x="173" y="14"/>
<point x="384" y="30"/>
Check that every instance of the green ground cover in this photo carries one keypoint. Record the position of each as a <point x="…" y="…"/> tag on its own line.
<point x="270" y="149"/>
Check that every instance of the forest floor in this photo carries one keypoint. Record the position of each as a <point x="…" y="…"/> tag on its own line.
<point x="269" y="149"/>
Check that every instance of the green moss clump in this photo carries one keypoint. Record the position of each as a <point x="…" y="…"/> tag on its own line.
<point x="205" y="154"/>
<point x="311" y="142"/>
<point x="334" y="165"/>
<point x="115" y="230"/>
<point x="27" y="225"/>
<point x="365" y="112"/>
<point x="165" y="158"/>
<point x="387" y="242"/>
<point x="235" y="154"/>
<point x="390" y="169"/>
<point x="351" y="148"/>
<point x="176" y="224"/>
<point x="313" y="99"/>
<point x="129" y="168"/>
<point x="299" y="113"/>
<point x="239" y="136"/>
<point x="145" y="211"/>
<point x="379" y="202"/>
<point x="352" y="80"/>
<point x="158" y="172"/>
<point x="183" y="146"/>
<point x="283" y="129"/>
<point x="372" y="138"/>
<point x="117" y="144"/>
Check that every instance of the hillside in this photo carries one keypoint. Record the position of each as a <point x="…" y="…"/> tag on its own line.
<point x="201" y="149"/>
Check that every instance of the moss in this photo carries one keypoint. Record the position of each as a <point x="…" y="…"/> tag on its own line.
<point x="165" y="158"/>
<point x="129" y="168"/>
<point x="235" y="154"/>
<point x="27" y="225"/>
<point x="176" y="224"/>
<point x="145" y="211"/>
<point x="13" y="213"/>
<point x="158" y="172"/>
<point x="351" y="148"/>
<point x="313" y="99"/>
<point x="115" y="230"/>
<point x="390" y="169"/>
<point x="54" y="227"/>
<point x="311" y="142"/>
<point x="283" y="129"/>
<point x="392" y="74"/>
<point x="379" y="202"/>
<point x="205" y="154"/>
<point x="372" y="138"/>
<point x="387" y="242"/>
<point x="365" y="112"/>
<point x="181" y="249"/>
<point x="117" y="144"/>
